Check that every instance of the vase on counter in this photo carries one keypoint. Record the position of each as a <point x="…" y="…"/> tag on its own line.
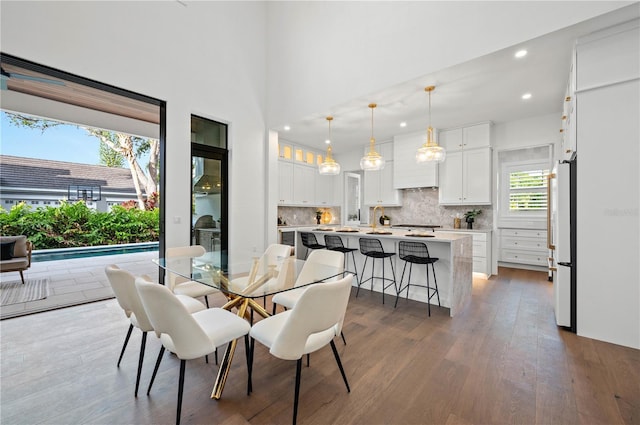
<point x="456" y="223"/>
<point x="469" y="223"/>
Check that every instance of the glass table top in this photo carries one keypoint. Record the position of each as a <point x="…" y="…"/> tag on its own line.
<point x="263" y="279"/>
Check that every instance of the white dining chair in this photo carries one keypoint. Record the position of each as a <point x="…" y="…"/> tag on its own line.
<point x="183" y="286"/>
<point x="188" y="336"/>
<point x="123" y="284"/>
<point x="309" y="326"/>
<point x="274" y="254"/>
<point x="318" y="260"/>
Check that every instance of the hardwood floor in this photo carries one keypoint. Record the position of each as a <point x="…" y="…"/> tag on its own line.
<point x="503" y="360"/>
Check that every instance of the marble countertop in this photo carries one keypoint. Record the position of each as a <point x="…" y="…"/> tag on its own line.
<point x="387" y="233"/>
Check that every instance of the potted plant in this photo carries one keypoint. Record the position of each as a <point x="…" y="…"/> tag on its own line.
<point x="385" y="220"/>
<point x="470" y="216"/>
<point x="318" y="216"/>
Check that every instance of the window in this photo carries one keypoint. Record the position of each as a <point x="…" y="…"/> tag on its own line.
<point x="528" y="190"/>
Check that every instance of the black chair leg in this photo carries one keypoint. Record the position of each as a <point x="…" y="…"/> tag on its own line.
<point x="180" y="387"/>
<point x="343" y="340"/>
<point x="297" y="390"/>
<point x="126" y="341"/>
<point x="273" y="310"/>
<point x="155" y="369"/>
<point x="308" y="357"/>
<point x="206" y="300"/>
<point x="216" y="355"/>
<point x="247" y="352"/>
<point x="206" y="358"/>
<point x="337" y="356"/>
<point x="140" y="360"/>
<point x="250" y="381"/>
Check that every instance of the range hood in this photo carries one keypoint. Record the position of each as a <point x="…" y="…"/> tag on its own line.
<point x="207" y="184"/>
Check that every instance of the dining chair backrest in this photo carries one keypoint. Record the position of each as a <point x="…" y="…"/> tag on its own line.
<point x="272" y="254"/>
<point x="181" y="251"/>
<point x="319" y="311"/>
<point x="123" y="286"/>
<point x="314" y="267"/>
<point x="170" y="318"/>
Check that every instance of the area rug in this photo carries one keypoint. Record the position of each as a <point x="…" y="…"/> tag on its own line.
<point x="16" y="292"/>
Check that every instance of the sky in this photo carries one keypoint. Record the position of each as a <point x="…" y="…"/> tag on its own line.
<point x="65" y="142"/>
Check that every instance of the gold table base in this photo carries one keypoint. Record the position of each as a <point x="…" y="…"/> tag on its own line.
<point x="225" y="364"/>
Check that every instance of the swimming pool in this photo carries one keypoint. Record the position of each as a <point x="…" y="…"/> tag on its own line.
<point x="91" y="251"/>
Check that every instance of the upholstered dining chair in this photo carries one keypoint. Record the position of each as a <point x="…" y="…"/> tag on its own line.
<point x="182" y="286"/>
<point x="312" y="324"/>
<point x="270" y="256"/>
<point x="123" y="284"/>
<point x="188" y="336"/>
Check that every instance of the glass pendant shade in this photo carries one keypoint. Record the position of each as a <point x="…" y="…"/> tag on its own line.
<point x="430" y="151"/>
<point x="372" y="161"/>
<point x="329" y="167"/>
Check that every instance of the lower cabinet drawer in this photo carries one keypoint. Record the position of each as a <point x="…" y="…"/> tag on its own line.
<point x="480" y="265"/>
<point x="524" y="257"/>
<point x="479" y="249"/>
<point x="523" y="243"/>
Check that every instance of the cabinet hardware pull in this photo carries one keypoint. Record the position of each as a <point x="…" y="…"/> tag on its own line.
<point x="568" y="151"/>
<point x="567" y="99"/>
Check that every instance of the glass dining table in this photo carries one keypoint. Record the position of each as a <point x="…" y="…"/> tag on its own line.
<point x="243" y="291"/>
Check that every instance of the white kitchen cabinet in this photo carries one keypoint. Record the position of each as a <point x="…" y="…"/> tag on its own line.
<point x="304" y="184"/>
<point x="465" y="175"/>
<point x="524" y="246"/>
<point x="465" y="178"/>
<point x="285" y="183"/>
<point x="481" y="251"/>
<point x="568" y="141"/>
<point x="407" y="173"/>
<point x="378" y="187"/>
<point x="326" y="190"/>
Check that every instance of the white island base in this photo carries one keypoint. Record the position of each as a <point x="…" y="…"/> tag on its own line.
<point x="454" y="267"/>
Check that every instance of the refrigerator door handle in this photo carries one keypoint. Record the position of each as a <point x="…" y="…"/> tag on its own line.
<point x="549" y="207"/>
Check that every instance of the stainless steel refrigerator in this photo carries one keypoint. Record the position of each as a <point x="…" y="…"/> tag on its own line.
<point x="561" y="226"/>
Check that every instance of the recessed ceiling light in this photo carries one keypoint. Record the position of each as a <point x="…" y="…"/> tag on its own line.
<point x="328" y="142"/>
<point x="403" y="124"/>
<point x="520" y="54"/>
<point x="526" y="96"/>
<point x="287" y="128"/>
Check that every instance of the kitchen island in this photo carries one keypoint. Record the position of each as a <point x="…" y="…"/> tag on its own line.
<point x="453" y="269"/>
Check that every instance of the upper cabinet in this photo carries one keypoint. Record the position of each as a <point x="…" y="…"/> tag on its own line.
<point x="299" y="183"/>
<point x="379" y="185"/>
<point x="465" y="175"/>
<point x="568" y="129"/>
<point x="407" y="173"/>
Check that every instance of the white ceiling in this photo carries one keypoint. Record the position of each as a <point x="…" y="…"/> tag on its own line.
<point x="488" y="88"/>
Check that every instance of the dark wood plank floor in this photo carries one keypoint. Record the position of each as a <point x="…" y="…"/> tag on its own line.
<point x="503" y="360"/>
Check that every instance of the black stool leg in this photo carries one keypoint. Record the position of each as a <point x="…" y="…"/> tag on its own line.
<point x="355" y="268"/>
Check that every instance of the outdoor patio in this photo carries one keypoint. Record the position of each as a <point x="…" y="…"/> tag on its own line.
<point x="76" y="281"/>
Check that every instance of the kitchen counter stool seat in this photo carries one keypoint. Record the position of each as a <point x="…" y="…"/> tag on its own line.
<point x="372" y="248"/>
<point x="417" y="253"/>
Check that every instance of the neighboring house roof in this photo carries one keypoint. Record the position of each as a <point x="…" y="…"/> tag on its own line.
<point x="19" y="172"/>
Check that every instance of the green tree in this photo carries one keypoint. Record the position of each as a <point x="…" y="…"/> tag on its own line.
<point x="110" y="158"/>
<point x="127" y="146"/>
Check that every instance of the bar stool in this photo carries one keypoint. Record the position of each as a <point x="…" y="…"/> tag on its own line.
<point x="418" y="253"/>
<point x="372" y="248"/>
<point x="310" y="242"/>
<point x="334" y="243"/>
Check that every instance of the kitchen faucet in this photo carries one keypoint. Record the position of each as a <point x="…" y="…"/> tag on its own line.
<point x="374" y="214"/>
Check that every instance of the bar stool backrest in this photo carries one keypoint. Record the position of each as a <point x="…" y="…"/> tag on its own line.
<point x="368" y="245"/>
<point x="308" y="239"/>
<point x="333" y="241"/>
<point x="411" y="250"/>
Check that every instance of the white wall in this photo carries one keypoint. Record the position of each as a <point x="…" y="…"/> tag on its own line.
<point x="323" y="54"/>
<point x="206" y="58"/>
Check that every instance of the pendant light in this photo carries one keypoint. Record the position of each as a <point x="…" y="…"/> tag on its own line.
<point x="372" y="161"/>
<point x="430" y="151"/>
<point x="329" y="167"/>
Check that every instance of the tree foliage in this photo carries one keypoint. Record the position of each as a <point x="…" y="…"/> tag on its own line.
<point x="76" y="225"/>
<point x="110" y="158"/>
<point x="126" y="146"/>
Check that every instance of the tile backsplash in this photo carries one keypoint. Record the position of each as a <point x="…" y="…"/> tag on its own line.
<point x="301" y="216"/>
<point x="421" y="206"/>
